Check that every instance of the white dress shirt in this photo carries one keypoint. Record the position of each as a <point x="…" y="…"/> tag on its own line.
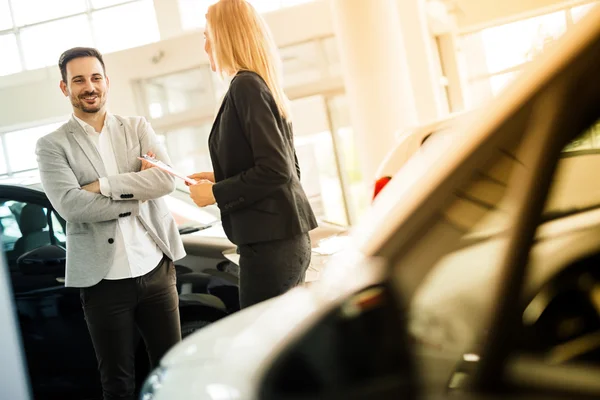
<point x="136" y="253"/>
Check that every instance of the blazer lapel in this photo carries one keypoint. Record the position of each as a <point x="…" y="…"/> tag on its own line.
<point x="118" y="140"/>
<point x="88" y="147"/>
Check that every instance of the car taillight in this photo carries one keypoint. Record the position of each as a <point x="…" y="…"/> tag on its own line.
<point x="380" y="184"/>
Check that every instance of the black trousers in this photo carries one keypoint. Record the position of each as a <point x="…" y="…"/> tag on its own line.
<point x="268" y="269"/>
<point x="117" y="312"/>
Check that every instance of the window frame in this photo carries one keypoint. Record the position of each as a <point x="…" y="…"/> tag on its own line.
<point x="89" y="12"/>
<point x="483" y="78"/>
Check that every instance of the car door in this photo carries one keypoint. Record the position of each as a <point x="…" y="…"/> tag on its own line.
<point x="60" y="355"/>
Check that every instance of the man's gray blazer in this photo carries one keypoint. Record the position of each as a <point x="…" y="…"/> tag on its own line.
<point x="68" y="160"/>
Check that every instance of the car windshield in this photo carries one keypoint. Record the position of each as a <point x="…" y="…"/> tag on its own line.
<point x="188" y="216"/>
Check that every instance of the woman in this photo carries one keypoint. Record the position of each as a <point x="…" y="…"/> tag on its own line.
<point x="256" y="178"/>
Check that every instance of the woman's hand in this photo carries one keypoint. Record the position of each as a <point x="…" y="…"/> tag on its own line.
<point x="200" y="176"/>
<point x="201" y="193"/>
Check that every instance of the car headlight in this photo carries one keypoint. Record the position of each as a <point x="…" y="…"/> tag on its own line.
<point x="152" y="384"/>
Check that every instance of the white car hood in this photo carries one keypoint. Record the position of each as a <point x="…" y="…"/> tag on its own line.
<point x="223" y="361"/>
<point x="237" y="331"/>
<point x="229" y="356"/>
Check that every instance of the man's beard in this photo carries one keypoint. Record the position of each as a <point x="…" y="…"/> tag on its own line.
<point x="80" y="103"/>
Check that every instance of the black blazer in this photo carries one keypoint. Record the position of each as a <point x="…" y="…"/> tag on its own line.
<point x="256" y="169"/>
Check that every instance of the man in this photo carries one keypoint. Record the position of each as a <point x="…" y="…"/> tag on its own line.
<point x="121" y="237"/>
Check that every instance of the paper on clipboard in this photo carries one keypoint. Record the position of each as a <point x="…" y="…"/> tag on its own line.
<point x="166" y="168"/>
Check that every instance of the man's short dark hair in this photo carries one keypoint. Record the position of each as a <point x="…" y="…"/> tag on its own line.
<point x="77" y="52"/>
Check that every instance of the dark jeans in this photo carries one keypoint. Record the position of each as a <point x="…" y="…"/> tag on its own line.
<point x="116" y="310"/>
<point x="268" y="269"/>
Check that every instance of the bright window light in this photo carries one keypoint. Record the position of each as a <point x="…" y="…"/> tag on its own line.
<point x="106" y="3"/>
<point x="44" y="29"/>
<point x="28" y="12"/>
<point x="193" y="11"/>
<point x="579" y="12"/>
<point x="5" y="18"/>
<point x="43" y="44"/>
<point x="11" y="62"/>
<point x="496" y="55"/>
<point x="516" y="43"/>
<point x="264" y="6"/>
<point x="498" y="82"/>
<point x="113" y="31"/>
<point x="20" y="146"/>
<point x="155" y="109"/>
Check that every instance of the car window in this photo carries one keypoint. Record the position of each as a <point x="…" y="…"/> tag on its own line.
<point x="186" y="213"/>
<point x="574" y="189"/>
<point x="451" y="305"/>
<point x="9" y="225"/>
<point x="25" y="228"/>
<point x="590" y="140"/>
<point x="58" y="227"/>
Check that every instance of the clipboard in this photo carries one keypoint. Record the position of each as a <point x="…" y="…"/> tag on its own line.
<point x="166" y="168"/>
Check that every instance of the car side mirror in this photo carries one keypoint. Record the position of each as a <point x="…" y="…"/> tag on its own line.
<point x="45" y="260"/>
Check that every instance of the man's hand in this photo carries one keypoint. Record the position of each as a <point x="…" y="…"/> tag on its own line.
<point x="202" y="194"/>
<point x="146" y="164"/>
<point x="93" y="187"/>
<point x="201" y="176"/>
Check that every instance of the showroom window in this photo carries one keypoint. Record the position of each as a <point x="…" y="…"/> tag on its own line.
<point x="33" y="33"/>
<point x="181" y="106"/>
<point x="495" y="56"/>
<point x="177" y="92"/>
<point x="193" y="11"/>
<point x="188" y="148"/>
<point x="192" y="91"/>
<point x="17" y="150"/>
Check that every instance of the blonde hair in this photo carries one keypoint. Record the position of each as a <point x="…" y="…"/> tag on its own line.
<point x="241" y="41"/>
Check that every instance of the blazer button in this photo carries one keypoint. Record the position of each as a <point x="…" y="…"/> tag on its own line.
<point x="111" y="240"/>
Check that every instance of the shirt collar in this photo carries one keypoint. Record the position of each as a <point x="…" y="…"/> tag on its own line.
<point x="88" y="128"/>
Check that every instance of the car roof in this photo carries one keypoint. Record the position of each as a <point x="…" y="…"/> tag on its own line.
<point x="30" y="186"/>
<point x="409" y="142"/>
<point x="30" y="180"/>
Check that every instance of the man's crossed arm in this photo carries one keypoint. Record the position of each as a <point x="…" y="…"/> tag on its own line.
<point x="85" y="203"/>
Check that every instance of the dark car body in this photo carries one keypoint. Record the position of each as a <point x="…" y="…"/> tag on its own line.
<point x="59" y="352"/>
